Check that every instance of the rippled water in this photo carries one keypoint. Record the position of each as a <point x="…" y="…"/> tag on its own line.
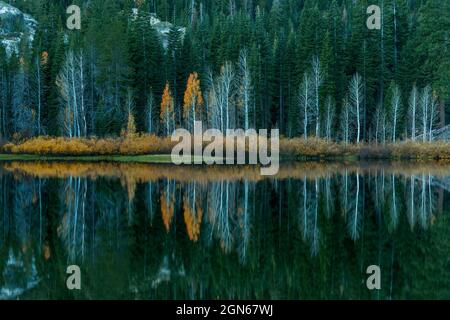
<point x="162" y="232"/>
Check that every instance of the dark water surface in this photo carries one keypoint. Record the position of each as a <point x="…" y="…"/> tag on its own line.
<point x="163" y="232"/>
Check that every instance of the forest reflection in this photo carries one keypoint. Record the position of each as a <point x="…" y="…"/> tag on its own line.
<point x="165" y="232"/>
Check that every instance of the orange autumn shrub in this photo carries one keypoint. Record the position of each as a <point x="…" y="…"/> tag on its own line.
<point x="296" y="148"/>
<point x="314" y="148"/>
<point x="104" y="146"/>
<point x="49" y="146"/>
<point x="147" y="144"/>
<point x="299" y="148"/>
<point x="135" y="145"/>
<point x="421" y="150"/>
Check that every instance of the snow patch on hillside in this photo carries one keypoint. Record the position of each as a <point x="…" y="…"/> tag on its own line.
<point x="18" y="277"/>
<point x="14" y="26"/>
<point x="162" y="27"/>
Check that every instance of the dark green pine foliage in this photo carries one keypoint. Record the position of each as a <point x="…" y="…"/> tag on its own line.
<point x="146" y="55"/>
<point x="57" y="56"/>
<point x="310" y="35"/>
<point x="261" y="59"/>
<point x="3" y="93"/>
<point x="189" y="62"/>
<point x="290" y="101"/>
<point x="278" y="83"/>
<point x="114" y="73"/>
<point x="215" y="45"/>
<point x="256" y="73"/>
<point x="174" y="68"/>
<point x="433" y="35"/>
<point x="334" y="63"/>
<point x="92" y="51"/>
<point x="41" y="79"/>
<point x="362" y="58"/>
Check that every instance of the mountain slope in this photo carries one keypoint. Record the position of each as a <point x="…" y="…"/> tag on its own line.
<point x="14" y="26"/>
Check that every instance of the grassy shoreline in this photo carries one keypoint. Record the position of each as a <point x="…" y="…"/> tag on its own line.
<point x="166" y="158"/>
<point x="161" y="158"/>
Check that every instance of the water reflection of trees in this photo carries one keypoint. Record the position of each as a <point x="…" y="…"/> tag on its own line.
<point x="74" y="227"/>
<point x="416" y="195"/>
<point x="22" y="234"/>
<point x="199" y="233"/>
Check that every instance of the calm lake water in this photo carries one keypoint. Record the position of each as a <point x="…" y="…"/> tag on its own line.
<point x="163" y="232"/>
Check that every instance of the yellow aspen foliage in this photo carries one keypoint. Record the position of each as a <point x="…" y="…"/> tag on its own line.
<point x="193" y="95"/>
<point x="167" y="209"/>
<point x="131" y="126"/>
<point x="130" y="185"/>
<point x="166" y="103"/>
<point x="44" y="58"/>
<point x="139" y="3"/>
<point x="193" y="220"/>
<point x="47" y="252"/>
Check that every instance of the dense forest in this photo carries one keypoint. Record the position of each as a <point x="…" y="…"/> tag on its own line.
<point x="87" y="179"/>
<point x="309" y="68"/>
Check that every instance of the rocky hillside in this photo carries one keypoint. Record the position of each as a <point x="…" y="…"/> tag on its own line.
<point x="162" y="27"/>
<point x="14" y="26"/>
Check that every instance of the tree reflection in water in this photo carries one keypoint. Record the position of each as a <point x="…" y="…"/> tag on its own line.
<point x="162" y="232"/>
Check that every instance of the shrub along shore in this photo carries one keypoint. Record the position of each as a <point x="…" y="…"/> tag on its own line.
<point x="151" y="148"/>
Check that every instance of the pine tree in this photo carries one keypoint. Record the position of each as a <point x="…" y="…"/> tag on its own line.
<point x="174" y="72"/>
<point x="4" y="113"/>
<point x="146" y="58"/>
<point x="433" y="35"/>
<point x="310" y="31"/>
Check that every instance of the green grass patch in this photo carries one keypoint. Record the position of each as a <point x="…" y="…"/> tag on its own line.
<point x="163" y="158"/>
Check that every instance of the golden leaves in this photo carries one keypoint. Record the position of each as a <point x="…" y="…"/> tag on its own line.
<point x="131" y="127"/>
<point x="193" y="214"/>
<point x="167" y="209"/>
<point x="131" y="144"/>
<point x="193" y="95"/>
<point x="44" y="58"/>
<point x="166" y="103"/>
